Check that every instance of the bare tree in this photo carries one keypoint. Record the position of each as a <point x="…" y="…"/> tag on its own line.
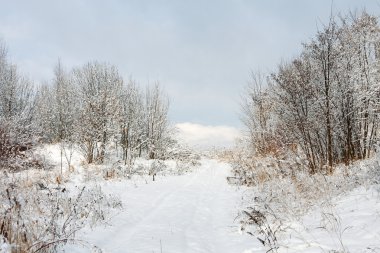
<point x="156" y="120"/>
<point x="258" y="116"/>
<point x="100" y="86"/>
<point x="326" y="101"/>
<point x="132" y="132"/>
<point x="16" y="108"/>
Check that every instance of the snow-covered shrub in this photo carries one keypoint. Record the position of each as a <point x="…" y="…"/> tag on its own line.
<point x="283" y="191"/>
<point x="40" y="217"/>
<point x="251" y="170"/>
<point x="263" y="227"/>
<point x="114" y="172"/>
<point x="15" y="155"/>
<point x="176" y="160"/>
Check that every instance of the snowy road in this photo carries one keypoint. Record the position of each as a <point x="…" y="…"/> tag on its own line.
<point x="190" y="213"/>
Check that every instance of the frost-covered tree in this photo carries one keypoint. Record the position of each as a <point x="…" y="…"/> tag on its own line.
<point x="326" y="101"/>
<point x="132" y="116"/>
<point x="65" y="103"/>
<point x="89" y="106"/>
<point x="44" y="113"/>
<point x="99" y="92"/>
<point x="323" y="58"/>
<point x="296" y="106"/>
<point x="258" y="117"/>
<point x="156" y="121"/>
<point x="16" y="108"/>
<point x="57" y="107"/>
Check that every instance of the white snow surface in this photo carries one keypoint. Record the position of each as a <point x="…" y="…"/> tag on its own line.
<point x="350" y="223"/>
<point x="197" y="212"/>
<point x="190" y="213"/>
<point x="4" y="246"/>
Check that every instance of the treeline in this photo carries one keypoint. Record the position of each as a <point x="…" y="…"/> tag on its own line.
<point x="325" y="102"/>
<point x="90" y="107"/>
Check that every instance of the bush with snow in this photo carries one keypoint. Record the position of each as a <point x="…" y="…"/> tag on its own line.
<point x="281" y="191"/>
<point x="37" y="216"/>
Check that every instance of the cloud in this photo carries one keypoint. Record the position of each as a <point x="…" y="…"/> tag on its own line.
<point x="200" y="51"/>
<point x="202" y="136"/>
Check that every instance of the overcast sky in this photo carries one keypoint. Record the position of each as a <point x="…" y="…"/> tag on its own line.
<point x="201" y="51"/>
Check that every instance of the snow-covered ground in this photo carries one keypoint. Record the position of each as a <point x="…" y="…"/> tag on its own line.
<point x="349" y="223"/>
<point x="196" y="212"/>
<point x="189" y="213"/>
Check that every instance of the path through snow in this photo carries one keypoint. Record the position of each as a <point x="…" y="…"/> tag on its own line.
<point x="189" y="213"/>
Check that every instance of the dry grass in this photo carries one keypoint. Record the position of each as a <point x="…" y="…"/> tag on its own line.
<point x="40" y="212"/>
<point x="283" y="190"/>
